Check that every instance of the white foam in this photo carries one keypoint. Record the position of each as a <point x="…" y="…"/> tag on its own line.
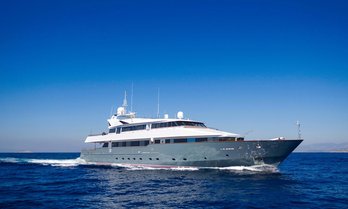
<point x="253" y="169"/>
<point x="10" y="160"/>
<point x="51" y="162"/>
<point x="78" y="161"/>
<point x="237" y="169"/>
<point x="62" y="163"/>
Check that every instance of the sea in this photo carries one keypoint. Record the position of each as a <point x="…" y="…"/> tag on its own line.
<point x="63" y="180"/>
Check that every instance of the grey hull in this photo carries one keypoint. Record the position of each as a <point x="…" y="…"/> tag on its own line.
<point x="204" y="154"/>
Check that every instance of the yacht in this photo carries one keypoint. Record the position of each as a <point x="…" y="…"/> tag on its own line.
<point x="179" y="142"/>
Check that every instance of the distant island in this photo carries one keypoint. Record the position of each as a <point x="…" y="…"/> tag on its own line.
<point x="323" y="147"/>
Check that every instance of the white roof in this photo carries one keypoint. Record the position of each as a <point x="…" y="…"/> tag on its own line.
<point x="152" y="120"/>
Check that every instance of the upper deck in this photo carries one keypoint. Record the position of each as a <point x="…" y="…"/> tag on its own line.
<point x="126" y="126"/>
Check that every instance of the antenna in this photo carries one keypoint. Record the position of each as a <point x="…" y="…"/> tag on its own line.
<point x="158" y="102"/>
<point x="298" y="129"/>
<point x="132" y="99"/>
<point x="125" y="100"/>
<point x="248" y="132"/>
<point x="112" y="110"/>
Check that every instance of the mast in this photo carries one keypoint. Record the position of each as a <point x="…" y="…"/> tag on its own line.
<point x="125" y="100"/>
<point x="158" y="102"/>
<point x="132" y="99"/>
<point x="298" y="129"/>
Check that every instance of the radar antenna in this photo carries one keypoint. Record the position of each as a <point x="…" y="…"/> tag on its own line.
<point x="132" y="99"/>
<point x="158" y="102"/>
<point x="298" y="129"/>
<point x="125" y="100"/>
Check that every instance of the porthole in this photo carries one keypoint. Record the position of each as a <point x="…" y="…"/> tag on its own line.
<point x="205" y="158"/>
<point x="128" y="158"/>
<point x="173" y="158"/>
<point x="150" y="158"/>
<point x="227" y="155"/>
<point x="157" y="158"/>
<point x="123" y="158"/>
<point x="133" y="158"/>
<point x="117" y="158"/>
<point x="184" y="159"/>
<point x="140" y="158"/>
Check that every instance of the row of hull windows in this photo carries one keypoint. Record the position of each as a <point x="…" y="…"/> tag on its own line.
<point x="128" y="158"/>
<point x="123" y="158"/>
<point x="135" y="158"/>
<point x="169" y="141"/>
<point x="155" y="125"/>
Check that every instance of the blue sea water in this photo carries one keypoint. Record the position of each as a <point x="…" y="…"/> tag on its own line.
<point x="61" y="180"/>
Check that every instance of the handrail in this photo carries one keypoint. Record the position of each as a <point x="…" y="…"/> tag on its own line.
<point x="102" y="134"/>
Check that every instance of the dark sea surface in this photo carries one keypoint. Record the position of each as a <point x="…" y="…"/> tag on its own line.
<point x="60" y="180"/>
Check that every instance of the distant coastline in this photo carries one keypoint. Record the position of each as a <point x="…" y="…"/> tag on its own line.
<point x="324" y="147"/>
<point x="322" y="151"/>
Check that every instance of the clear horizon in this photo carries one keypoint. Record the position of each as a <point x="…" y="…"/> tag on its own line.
<point x="239" y="66"/>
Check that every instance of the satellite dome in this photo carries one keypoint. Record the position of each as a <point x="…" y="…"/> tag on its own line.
<point x="120" y="111"/>
<point x="180" y="115"/>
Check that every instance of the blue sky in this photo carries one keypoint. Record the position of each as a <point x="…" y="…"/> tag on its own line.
<point x="239" y="66"/>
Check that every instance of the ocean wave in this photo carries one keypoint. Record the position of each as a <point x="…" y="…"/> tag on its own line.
<point x="78" y="161"/>
<point x="265" y="168"/>
<point x="60" y="162"/>
<point x="51" y="162"/>
<point x="235" y="169"/>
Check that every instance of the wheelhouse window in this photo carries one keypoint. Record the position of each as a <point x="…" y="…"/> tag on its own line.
<point x="134" y="128"/>
<point x="177" y="123"/>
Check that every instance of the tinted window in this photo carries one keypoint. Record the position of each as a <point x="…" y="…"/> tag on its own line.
<point x="114" y="144"/>
<point x="135" y="143"/>
<point x="105" y="145"/>
<point x="157" y="141"/>
<point x="201" y="139"/>
<point x="133" y="128"/>
<point x="228" y="139"/>
<point x="167" y="141"/>
<point x="118" y="130"/>
<point x="180" y="140"/>
<point x="112" y="130"/>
